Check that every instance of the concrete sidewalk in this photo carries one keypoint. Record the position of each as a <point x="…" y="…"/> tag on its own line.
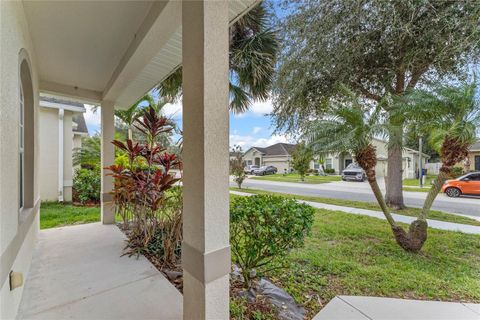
<point x="373" y="308"/>
<point x="77" y="272"/>
<point x="441" y="225"/>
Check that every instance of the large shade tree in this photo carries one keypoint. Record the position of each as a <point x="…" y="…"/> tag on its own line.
<point x="376" y="48"/>
<point x="252" y="58"/>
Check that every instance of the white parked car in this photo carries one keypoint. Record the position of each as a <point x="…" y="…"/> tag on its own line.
<point x="250" y="169"/>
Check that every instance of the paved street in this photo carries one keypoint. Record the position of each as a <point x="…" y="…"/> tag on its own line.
<point x="360" y="191"/>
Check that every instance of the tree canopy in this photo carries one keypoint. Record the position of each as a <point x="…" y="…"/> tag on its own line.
<point x="372" y="47"/>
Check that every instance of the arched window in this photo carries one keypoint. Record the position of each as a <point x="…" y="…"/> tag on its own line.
<point x="26" y="135"/>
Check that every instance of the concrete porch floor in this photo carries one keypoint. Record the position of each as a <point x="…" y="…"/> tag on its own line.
<point x="373" y="308"/>
<point x="77" y="273"/>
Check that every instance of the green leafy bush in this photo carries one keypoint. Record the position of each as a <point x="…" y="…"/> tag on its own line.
<point x="266" y="227"/>
<point x="455" y="172"/>
<point x="86" y="185"/>
<point x="329" y="171"/>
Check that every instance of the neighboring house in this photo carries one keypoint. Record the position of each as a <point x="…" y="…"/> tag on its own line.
<point x="278" y="155"/>
<point x="472" y="162"/>
<point x="62" y="126"/>
<point x="474" y="156"/>
<point x="410" y="159"/>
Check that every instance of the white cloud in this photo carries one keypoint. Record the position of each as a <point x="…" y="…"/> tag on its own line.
<point x="92" y="119"/>
<point x="248" y="141"/>
<point x="258" y="109"/>
<point x="256" y="130"/>
<point x="173" y="110"/>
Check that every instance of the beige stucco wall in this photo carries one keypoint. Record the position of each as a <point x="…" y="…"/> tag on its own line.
<point x="250" y="156"/>
<point x="17" y="232"/>
<point x="67" y="156"/>
<point x="282" y="163"/>
<point x="48" y="174"/>
<point x="471" y="157"/>
<point x="49" y="121"/>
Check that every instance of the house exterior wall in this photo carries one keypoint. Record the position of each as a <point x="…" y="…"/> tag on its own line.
<point x="67" y="156"/>
<point x="474" y="165"/>
<point x="49" y="140"/>
<point x="48" y="174"/>
<point x="282" y="163"/>
<point x="250" y="156"/>
<point x="18" y="230"/>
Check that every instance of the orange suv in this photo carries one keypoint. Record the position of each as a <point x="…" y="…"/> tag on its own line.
<point x="467" y="184"/>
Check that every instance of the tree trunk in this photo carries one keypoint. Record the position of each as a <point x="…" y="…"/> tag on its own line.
<point x="417" y="234"/>
<point x="394" y="195"/>
<point x="379" y="196"/>
<point x="433" y="192"/>
<point x="130" y="133"/>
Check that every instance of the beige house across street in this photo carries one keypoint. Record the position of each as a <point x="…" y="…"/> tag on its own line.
<point x="62" y="127"/>
<point x="474" y="157"/>
<point x="280" y="155"/>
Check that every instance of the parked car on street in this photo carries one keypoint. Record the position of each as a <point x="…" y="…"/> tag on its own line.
<point x="468" y="184"/>
<point x="250" y="169"/>
<point x="353" y="172"/>
<point x="265" y="170"/>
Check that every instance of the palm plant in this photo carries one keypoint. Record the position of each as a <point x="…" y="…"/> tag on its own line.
<point x="128" y="116"/>
<point x="451" y="114"/>
<point x="350" y="127"/>
<point x="253" y="50"/>
<point x="88" y="156"/>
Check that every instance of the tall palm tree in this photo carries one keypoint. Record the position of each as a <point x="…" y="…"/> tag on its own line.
<point x="452" y="115"/>
<point x="350" y="127"/>
<point x="128" y="116"/>
<point x="252" y="56"/>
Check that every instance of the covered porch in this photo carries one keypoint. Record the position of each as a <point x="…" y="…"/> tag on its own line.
<point x="110" y="54"/>
<point x="78" y="272"/>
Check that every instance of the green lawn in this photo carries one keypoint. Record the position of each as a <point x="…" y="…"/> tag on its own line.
<point x="352" y="255"/>
<point x="293" y="177"/>
<point x="357" y="255"/>
<point x="415" y="182"/>
<point x="434" y="214"/>
<point x="55" y="214"/>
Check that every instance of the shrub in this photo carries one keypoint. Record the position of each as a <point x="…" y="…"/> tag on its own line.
<point x="264" y="228"/>
<point x="166" y="243"/>
<point x="139" y="188"/>
<point x="86" y="185"/>
<point x="329" y="171"/>
<point x="236" y="166"/>
<point x="455" y="172"/>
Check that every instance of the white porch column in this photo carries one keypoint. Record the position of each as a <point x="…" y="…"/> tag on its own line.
<point x="108" y="157"/>
<point x="205" y="250"/>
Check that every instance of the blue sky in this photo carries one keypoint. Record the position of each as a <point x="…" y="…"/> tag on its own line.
<point x="252" y="128"/>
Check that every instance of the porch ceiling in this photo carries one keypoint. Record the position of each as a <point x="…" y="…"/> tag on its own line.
<point x="108" y="50"/>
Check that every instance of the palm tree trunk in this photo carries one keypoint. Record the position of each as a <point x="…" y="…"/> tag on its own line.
<point x="434" y="191"/>
<point x="379" y="196"/>
<point x="130" y="134"/>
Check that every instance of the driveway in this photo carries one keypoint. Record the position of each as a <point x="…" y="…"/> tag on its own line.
<point x="360" y="191"/>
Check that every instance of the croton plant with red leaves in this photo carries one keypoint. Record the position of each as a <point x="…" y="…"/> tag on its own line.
<point x="139" y="190"/>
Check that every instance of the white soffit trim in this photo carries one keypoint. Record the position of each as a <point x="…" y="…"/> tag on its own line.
<point x="54" y="105"/>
